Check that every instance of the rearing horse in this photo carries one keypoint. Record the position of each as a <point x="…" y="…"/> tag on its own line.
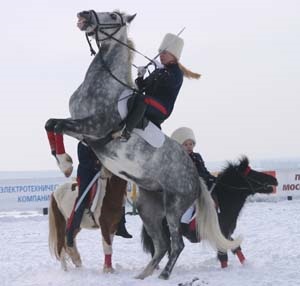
<point x="161" y="166"/>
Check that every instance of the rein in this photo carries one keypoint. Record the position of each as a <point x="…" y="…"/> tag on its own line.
<point x="109" y="36"/>
<point x="101" y="27"/>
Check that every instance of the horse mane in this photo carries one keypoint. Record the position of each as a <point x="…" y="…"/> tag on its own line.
<point x="131" y="46"/>
<point x="235" y="167"/>
<point x="130" y="43"/>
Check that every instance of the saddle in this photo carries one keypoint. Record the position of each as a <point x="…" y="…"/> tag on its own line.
<point x="149" y="131"/>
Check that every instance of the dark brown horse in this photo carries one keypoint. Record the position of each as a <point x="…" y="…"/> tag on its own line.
<point x="106" y="215"/>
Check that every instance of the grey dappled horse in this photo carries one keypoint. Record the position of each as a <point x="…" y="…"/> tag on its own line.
<point x="167" y="168"/>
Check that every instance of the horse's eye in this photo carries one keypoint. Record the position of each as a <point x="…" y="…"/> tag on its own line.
<point x="113" y="16"/>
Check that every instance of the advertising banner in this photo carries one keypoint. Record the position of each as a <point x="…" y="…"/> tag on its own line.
<point x="288" y="182"/>
<point x="27" y="194"/>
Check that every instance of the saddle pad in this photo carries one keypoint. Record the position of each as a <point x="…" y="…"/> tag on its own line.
<point x="152" y="134"/>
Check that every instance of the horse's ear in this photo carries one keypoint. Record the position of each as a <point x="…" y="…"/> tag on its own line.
<point x="129" y="18"/>
<point x="244" y="163"/>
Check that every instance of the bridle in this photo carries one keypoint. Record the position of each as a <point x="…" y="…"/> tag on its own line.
<point x="248" y="180"/>
<point x="102" y="27"/>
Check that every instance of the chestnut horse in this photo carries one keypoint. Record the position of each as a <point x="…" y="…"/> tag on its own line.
<point x="107" y="215"/>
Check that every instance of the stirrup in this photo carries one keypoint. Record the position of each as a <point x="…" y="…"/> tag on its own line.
<point x="125" y="135"/>
<point x="118" y="133"/>
<point x="122" y="134"/>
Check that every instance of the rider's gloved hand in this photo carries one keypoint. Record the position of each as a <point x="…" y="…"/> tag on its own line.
<point x="212" y="179"/>
<point x="158" y="64"/>
<point x="141" y="71"/>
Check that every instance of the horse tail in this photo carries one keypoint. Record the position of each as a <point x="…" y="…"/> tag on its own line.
<point x="208" y="225"/>
<point x="57" y="229"/>
<point x="147" y="241"/>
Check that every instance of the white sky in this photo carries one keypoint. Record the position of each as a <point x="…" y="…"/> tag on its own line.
<point x="248" y="52"/>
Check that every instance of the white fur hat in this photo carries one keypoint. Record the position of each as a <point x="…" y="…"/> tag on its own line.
<point x="182" y="134"/>
<point x="172" y="44"/>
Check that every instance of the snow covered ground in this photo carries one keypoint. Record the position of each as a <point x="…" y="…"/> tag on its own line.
<point x="271" y="245"/>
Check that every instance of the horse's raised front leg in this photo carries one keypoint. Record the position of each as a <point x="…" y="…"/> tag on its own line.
<point x="56" y="141"/>
<point x="55" y="129"/>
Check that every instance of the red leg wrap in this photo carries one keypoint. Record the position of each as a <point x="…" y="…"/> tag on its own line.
<point x="240" y="256"/>
<point x="192" y="225"/>
<point x="107" y="260"/>
<point x="51" y="139"/>
<point x="224" y="264"/>
<point x="59" y="140"/>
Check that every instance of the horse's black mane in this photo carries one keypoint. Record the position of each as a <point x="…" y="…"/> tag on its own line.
<point x="235" y="167"/>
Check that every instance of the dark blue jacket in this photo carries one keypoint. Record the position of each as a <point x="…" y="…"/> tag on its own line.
<point x="202" y="170"/>
<point x="161" y="88"/>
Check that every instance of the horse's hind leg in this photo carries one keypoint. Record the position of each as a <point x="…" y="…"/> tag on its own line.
<point x="175" y="207"/>
<point x="151" y="210"/>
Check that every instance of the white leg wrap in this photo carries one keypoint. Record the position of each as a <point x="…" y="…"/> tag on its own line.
<point x="65" y="163"/>
<point x="107" y="249"/>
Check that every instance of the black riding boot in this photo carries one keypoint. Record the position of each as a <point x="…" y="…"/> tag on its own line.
<point x="134" y="117"/>
<point x="74" y="224"/>
<point x="122" y="231"/>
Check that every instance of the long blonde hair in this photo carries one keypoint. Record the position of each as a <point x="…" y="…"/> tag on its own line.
<point x="188" y="73"/>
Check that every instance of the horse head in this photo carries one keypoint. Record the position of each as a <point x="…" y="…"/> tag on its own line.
<point x="234" y="184"/>
<point x="103" y="26"/>
<point x="241" y="177"/>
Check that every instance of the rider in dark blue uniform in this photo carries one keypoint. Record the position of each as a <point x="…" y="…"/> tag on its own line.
<point x="158" y="92"/>
<point x="88" y="167"/>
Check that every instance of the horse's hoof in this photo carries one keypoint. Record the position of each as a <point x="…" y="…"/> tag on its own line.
<point x="64" y="265"/>
<point x="164" y="276"/>
<point x="108" y="269"/>
<point x="74" y="255"/>
<point x="65" y="164"/>
<point x="140" y="276"/>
